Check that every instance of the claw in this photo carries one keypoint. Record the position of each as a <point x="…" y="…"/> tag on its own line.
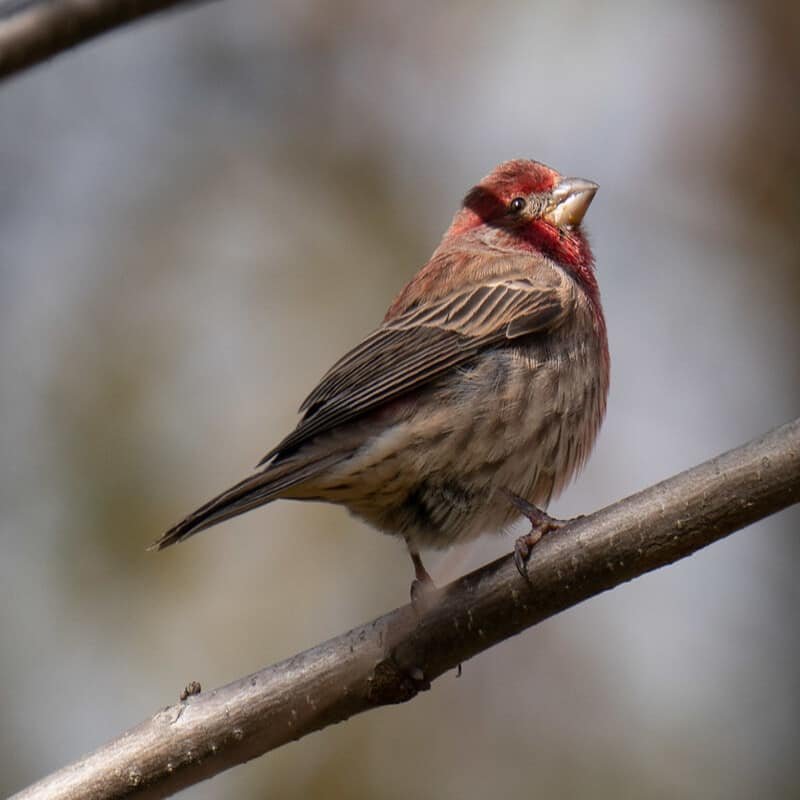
<point x="541" y="524"/>
<point x="522" y="550"/>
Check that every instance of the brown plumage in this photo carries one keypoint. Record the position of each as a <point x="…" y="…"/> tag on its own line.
<point x="488" y="375"/>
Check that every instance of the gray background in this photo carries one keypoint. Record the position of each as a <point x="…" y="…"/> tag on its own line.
<point x="198" y="214"/>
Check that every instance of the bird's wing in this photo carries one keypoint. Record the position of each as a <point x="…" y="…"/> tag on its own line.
<point x="425" y="341"/>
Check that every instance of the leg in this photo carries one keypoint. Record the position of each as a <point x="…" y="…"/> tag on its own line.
<point x="541" y="524"/>
<point x="422" y="582"/>
<point x="420" y="573"/>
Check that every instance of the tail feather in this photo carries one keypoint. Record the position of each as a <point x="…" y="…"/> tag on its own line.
<point x="258" y="489"/>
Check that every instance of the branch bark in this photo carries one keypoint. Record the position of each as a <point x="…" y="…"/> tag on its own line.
<point x="392" y="658"/>
<point x="41" y="30"/>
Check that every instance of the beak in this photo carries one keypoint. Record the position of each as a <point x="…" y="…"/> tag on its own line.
<point x="569" y="201"/>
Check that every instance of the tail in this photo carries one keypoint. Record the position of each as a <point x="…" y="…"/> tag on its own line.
<point x="262" y="487"/>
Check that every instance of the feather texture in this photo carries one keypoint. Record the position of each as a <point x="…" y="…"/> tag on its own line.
<point x="488" y="374"/>
<point x="426" y="341"/>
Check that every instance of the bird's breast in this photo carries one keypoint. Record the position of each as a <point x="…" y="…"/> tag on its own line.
<point x="521" y="418"/>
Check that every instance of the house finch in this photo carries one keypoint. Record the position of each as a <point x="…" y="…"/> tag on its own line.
<point x="478" y="397"/>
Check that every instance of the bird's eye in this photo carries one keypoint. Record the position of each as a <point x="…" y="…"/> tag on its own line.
<point x="517" y="204"/>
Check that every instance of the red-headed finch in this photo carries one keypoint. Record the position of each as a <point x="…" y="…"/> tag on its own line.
<point x="483" y="388"/>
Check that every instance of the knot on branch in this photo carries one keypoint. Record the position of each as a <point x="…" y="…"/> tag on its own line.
<point x="390" y="684"/>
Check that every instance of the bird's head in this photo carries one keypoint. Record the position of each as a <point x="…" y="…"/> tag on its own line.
<point x="525" y="205"/>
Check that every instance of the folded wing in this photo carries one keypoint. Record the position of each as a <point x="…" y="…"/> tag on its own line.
<point x="425" y="341"/>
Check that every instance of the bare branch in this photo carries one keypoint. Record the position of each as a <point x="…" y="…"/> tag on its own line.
<point x="40" y="30"/>
<point x="393" y="657"/>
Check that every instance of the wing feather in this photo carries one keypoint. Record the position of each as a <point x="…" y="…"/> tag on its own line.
<point x="426" y="341"/>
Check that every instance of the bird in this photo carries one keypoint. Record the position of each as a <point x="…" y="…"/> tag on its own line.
<point x="478" y="397"/>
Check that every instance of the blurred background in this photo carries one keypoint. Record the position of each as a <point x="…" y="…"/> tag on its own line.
<point x="199" y="213"/>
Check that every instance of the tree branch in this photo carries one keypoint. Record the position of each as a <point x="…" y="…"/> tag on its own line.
<point x="393" y="657"/>
<point x="36" y="31"/>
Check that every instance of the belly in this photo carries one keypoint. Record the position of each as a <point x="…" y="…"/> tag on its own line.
<point x="522" y="419"/>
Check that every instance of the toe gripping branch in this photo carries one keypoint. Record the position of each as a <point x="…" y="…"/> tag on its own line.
<point x="541" y="524"/>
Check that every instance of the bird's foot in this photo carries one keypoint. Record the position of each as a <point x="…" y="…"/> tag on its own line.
<point x="541" y="524"/>
<point x="422" y="586"/>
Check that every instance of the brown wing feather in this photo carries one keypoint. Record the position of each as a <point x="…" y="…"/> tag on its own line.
<point x="425" y="341"/>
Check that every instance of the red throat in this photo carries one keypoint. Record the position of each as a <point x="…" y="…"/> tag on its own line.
<point x="569" y="248"/>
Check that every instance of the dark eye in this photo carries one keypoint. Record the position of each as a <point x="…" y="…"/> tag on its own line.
<point x="517" y="204"/>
